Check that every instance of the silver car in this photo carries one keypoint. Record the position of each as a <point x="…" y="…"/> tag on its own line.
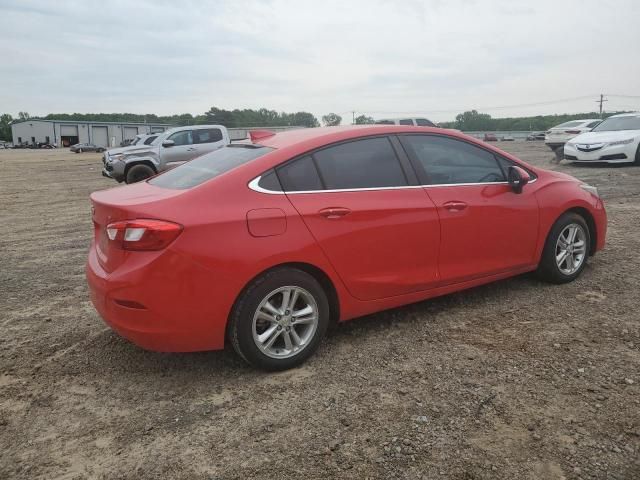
<point x="171" y="148"/>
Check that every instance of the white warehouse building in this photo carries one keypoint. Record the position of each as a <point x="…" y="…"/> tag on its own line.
<point x="65" y="133"/>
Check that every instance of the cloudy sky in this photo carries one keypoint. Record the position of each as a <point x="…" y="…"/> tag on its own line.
<point x="385" y="58"/>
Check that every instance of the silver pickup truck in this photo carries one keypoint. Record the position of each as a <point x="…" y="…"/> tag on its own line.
<point x="170" y="149"/>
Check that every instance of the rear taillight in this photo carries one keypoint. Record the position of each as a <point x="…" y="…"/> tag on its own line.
<point x="143" y="234"/>
<point x="573" y="132"/>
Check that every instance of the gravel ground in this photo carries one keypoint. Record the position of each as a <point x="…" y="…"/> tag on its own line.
<point x="517" y="379"/>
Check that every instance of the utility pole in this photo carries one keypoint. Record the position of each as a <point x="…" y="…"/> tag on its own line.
<point x="601" y="101"/>
<point x="353" y="114"/>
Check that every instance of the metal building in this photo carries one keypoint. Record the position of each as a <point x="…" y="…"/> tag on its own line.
<point x="65" y="133"/>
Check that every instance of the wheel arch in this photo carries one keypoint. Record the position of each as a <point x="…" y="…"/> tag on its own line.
<point x="321" y="277"/>
<point x="591" y="223"/>
<point x="147" y="162"/>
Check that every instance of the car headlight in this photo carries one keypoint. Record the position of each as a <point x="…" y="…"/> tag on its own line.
<point x="590" y="188"/>
<point x="621" y="142"/>
<point x="116" y="157"/>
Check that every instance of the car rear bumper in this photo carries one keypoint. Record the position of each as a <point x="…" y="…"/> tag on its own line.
<point x="616" y="154"/>
<point x="164" y="305"/>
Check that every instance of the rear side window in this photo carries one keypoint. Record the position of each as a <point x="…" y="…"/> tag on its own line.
<point x="367" y="163"/>
<point x="209" y="166"/>
<point x="385" y="122"/>
<point x="209" y="135"/>
<point x="406" y="121"/>
<point x="149" y="140"/>
<point x="181" y="138"/>
<point x="299" y="176"/>
<point x="449" y="161"/>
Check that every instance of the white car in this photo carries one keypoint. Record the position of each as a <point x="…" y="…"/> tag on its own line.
<point x="557" y="136"/>
<point x="615" y="140"/>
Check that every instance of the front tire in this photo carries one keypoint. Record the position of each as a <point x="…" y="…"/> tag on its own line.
<point x="566" y="250"/>
<point x="636" y="162"/>
<point x="138" y="173"/>
<point x="279" y="320"/>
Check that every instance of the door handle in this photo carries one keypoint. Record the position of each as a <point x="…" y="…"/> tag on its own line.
<point x="191" y="149"/>
<point x="334" y="212"/>
<point x="455" y="206"/>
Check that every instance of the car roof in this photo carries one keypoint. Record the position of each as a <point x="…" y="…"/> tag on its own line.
<point x="629" y="114"/>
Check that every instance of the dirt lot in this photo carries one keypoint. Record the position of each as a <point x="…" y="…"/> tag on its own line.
<point x="517" y="379"/>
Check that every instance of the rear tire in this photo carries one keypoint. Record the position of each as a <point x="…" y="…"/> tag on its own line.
<point x="265" y="306"/>
<point x="566" y="250"/>
<point x="138" y="173"/>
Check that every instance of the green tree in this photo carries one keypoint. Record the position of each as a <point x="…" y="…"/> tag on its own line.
<point x="364" y="120"/>
<point x="5" y="127"/>
<point x="23" y="115"/>
<point x="331" y="119"/>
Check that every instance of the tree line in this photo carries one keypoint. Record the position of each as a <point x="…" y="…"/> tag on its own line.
<point x="471" y="120"/>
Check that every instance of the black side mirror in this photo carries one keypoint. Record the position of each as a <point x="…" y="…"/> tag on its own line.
<point x="168" y="143"/>
<point x="517" y="178"/>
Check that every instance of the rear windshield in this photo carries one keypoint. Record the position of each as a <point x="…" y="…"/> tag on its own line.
<point x="209" y="166"/>
<point x="618" y="123"/>
<point x="573" y="123"/>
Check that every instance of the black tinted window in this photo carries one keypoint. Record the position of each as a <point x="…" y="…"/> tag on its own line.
<point x="449" y="161"/>
<point x="423" y="122"/>
<point x="299" y="175"/>
<point x="385" y="122"/>
<point x="149" y="140"/>
<point x="365" y="163"/>
<point x="269" y="181"/>
<point x="208" y="166"/>
<point x="181" y="138"/>
<point x="406" y="121"/>
<point x="208" y="135"/>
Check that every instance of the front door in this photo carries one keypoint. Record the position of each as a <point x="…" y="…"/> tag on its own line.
<point x="380" y="234"/>
<point x="486" y="228"/>
<point x="181" y="151"/>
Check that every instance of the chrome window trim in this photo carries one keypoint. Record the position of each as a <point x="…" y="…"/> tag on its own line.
<point x="253" y="185"/>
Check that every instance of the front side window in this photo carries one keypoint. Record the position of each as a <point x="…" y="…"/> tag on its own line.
<point x="209" y="135"/>
<point x="612" y="124"/>
<point x="423" y="122"/>
<point x="209" y="166"/>
<point x="181" y="138"/>
<point x="406" y="121"/>
<point x="367" y="163"/>
<point x="449" y="161"/>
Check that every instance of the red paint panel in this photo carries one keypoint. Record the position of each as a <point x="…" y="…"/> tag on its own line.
<point x="266" y="222"/>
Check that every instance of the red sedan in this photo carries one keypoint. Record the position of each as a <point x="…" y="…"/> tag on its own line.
<point x="265" y="244"/>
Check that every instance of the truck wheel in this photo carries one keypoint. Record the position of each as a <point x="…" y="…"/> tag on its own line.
<point x="139" y="172"/>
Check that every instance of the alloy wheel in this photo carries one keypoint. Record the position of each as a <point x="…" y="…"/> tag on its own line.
<point x="285" y="322"/>
<point x="571" y="249"/>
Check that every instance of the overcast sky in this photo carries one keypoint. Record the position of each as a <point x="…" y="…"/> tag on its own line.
<point x="381" y="57"/>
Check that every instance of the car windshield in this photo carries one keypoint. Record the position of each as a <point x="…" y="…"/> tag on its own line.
<point x="612" y="124"/>
<point x="209" y="166"/>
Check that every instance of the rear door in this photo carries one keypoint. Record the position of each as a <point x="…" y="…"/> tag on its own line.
<point x="207" y="140"/>
<point x="486" y="228"/>
<point x="181" y="151"/>
<point x="363" y="204"/>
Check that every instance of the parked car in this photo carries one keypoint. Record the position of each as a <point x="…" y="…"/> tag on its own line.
<point x="556" y="137"/>
<point x="86" y="147"/>
<point x="532" y="137"/>
<point x="267" y="243"/>
<point x="507" y="138"/>
<point x="419" y="122"/>
<point x="490" y="137"/>
<point x="615" y="140"/>
<point x="168" y="150"/>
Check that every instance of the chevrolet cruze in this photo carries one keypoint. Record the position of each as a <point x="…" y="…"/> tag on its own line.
<point x="264" y="244"/>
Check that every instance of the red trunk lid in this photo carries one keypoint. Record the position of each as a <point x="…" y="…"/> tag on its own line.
<point x="130" y="202"/>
